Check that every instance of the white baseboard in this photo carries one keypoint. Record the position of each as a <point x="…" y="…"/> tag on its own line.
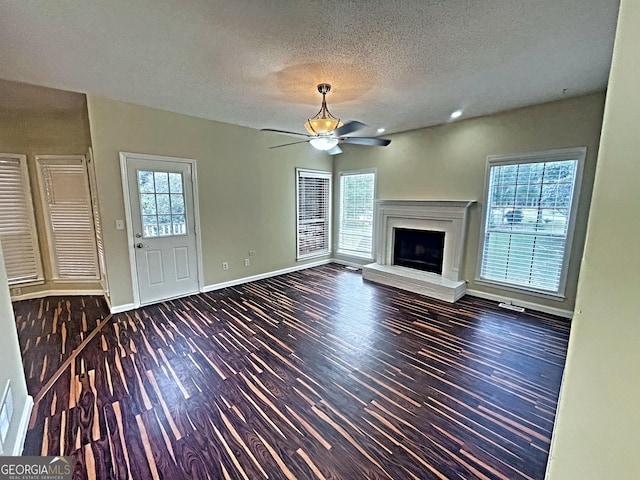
<point x="239" y="281"/>
<point x="529" y="305"/>
<point x="55" y="293"/>
<point x="261" y="276"/>
<point x="21" y="436"/>
<point x="122" y="308"/>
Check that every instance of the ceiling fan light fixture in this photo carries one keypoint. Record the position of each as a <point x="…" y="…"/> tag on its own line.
<point x="322" y="125"/>
<point x="323" y="143"/>
<point x="322" y="122"/>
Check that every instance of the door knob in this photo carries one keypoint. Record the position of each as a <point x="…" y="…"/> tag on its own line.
<point x="139" y="245"/>
<point x="138" y="235"/>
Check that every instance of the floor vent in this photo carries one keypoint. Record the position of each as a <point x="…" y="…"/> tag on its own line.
<point x="510" y="306"/>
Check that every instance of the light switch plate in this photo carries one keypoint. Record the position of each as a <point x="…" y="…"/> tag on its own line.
<point x="119" y="224"/>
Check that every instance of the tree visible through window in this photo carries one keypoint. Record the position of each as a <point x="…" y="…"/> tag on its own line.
<point x="528" y="220"/>
<point x="357" y="194"/>
<point x="161" y="204"/>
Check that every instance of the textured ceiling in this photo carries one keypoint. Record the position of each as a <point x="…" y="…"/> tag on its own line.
<point x="397" y="64"/>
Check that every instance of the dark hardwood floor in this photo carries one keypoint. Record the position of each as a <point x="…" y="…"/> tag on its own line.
<point x="313" y="374"/>
<point x="50" y="329"/>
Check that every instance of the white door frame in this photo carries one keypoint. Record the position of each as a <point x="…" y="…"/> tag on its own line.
<point x="124" y="157"/>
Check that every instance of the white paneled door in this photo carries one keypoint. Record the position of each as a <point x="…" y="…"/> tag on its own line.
<point x="162" y="223"/>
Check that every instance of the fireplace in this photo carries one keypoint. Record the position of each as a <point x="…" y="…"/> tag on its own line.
<point x="420" y="249"/>
<point x="419" y="246"/>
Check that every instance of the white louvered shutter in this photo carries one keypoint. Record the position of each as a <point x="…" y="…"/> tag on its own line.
<point x="69" y="217"/>
<point x="17" y="223"/>
<point x="313" y="213"/>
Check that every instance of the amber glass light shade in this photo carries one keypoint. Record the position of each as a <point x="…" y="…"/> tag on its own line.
<point x="322" y="125"/>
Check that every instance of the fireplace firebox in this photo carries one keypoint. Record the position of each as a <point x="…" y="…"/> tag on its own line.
<point x="419" y="249"/>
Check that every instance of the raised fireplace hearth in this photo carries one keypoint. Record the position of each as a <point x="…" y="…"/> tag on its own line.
<point x="419" y="245"/>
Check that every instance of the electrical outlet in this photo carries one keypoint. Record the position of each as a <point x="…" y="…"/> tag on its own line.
<point x="16" y="291"/>
<point x="252" y="253"/>
<point x="225" y="265"/>
<point x="247" y="262"/>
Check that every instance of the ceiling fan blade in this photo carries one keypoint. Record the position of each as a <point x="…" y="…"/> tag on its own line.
<point x="335" y="150"/>
<point x="370" y="141"/>
<point x="347" y="128"/>
<point x="286" y="132"/>
<point x="287" y="144"/>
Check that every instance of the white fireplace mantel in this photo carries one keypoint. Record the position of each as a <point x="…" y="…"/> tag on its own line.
<point x="445" y="216"/>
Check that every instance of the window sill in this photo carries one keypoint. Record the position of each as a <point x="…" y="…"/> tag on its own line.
<point x="559" y="297"/>
<point x="27" y="283"/>
<point x="355" y="256"/>
<point x="361" y="256"/>
<point x="312" y="256"/>
<point x="75" y="280"/>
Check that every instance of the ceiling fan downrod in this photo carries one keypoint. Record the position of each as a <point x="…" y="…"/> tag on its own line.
<point x="322" y="128"/>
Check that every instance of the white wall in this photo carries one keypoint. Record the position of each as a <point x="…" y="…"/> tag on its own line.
<point x="11" y="370"/>
<point x="597" y="432"/>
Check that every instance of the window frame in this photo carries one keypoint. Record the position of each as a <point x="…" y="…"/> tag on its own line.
<point x="363" y="171"/>
<point x="318" y="174"/>
<point x="28" y="198"/>
<point x="564" y="154"/>
<point x="98" y="226"/>
<point x="56" y="276"/>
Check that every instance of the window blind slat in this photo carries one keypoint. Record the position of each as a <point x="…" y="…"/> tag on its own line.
<point x="22" y="260"/>
<point x="69" y="216"/>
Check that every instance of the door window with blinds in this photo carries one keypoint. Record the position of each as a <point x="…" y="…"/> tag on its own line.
<point x="313" y="213"/>
<point x="66" y="202"/>
<point x="357" y="195"/>
<point x="17" y="222"/>
<point x="530" y="208"/>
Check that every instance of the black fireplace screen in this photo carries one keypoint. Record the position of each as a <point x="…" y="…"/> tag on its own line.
<point x="421" y="249"/>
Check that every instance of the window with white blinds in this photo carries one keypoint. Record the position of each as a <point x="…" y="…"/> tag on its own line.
<point x="531" y="203"/>
<point x="17" y="223"/>
<point x="313" y="213"/>
<point x="357" y="194"/>
<point x="66" y="202"/>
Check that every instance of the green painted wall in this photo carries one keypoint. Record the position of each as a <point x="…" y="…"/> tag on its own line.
<point x="246" y="191"/>
<point x="447" y="162"/>
<point x="598" y="425"/>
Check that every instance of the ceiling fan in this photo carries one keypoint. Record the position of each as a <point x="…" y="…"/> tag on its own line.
<point x="325" y="131"/>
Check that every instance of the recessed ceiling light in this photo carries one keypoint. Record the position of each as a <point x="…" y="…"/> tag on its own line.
<point x="381" y="130"/>
<point x="456" y="114"/>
